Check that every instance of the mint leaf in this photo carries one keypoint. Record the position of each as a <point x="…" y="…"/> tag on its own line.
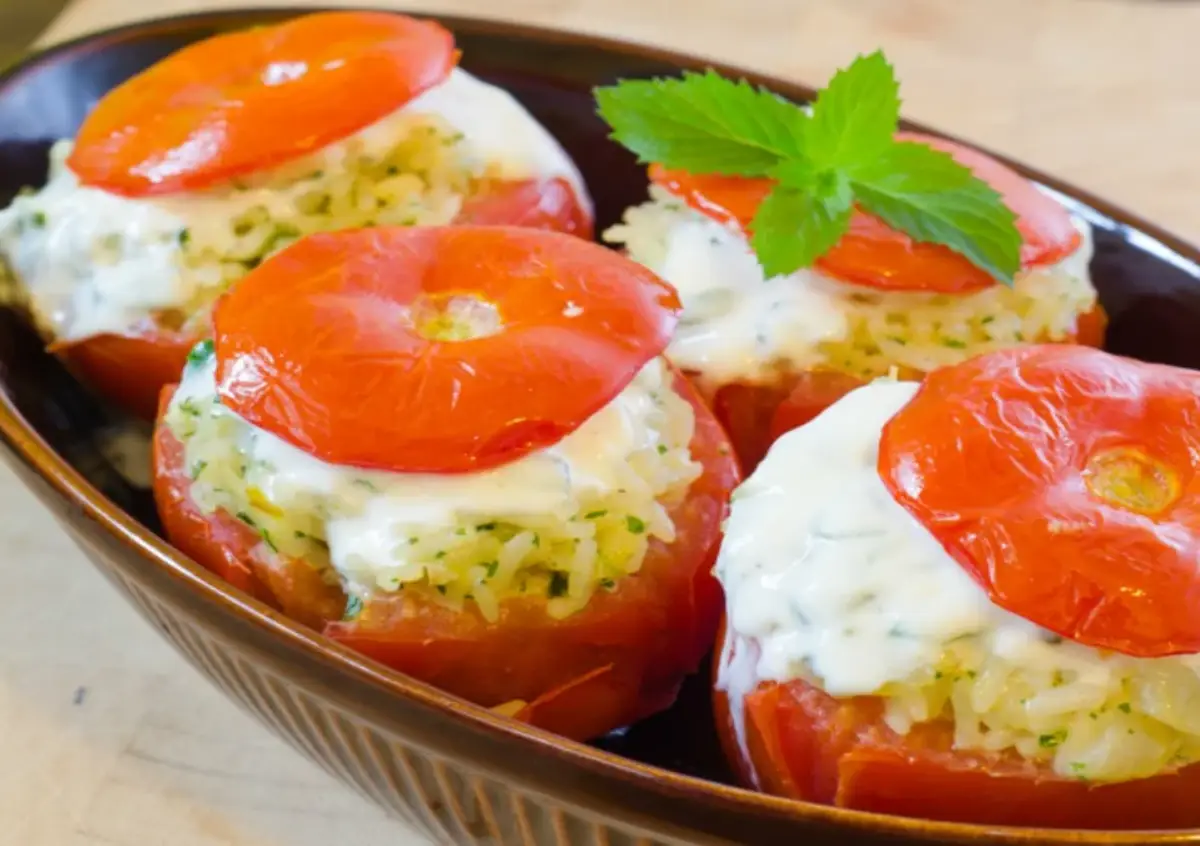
<point x="844" y="154"/>
<point x="929" y="196"/>
<point x="792" y="229"/>
<point x="703" y="123"/>
<point x="855" y="116"/>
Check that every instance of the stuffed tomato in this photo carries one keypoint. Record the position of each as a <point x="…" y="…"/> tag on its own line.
<point x="460" y="451"/>
<point x="769" y="354"/>
<point x="192" y="172"/>
<point x="976" y="599"/>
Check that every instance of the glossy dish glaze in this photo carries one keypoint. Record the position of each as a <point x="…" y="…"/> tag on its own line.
<point x="455" y="771"/>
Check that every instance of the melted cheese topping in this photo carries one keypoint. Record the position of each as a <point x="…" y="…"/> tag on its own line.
<point x="828" y="579"/>
<point x="96" y="262"/>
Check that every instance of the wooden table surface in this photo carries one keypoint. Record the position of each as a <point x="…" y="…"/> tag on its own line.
<point x="106" y="737"/>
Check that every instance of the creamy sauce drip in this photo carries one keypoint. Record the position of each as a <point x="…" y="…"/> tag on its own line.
<point x="831" y="577"/>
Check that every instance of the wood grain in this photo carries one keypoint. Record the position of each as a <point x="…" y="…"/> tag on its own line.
<point x="106" y="737"/>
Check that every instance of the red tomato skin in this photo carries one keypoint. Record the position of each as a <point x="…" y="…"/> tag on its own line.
<point x="812" y="393"/>
<point x="874" y="255"/>
<point x="619" y="659"/>
<point x="203" y="115"/>
<point x="652" y="630"/>
<point x="1091" y="328"/>
<point x="584" y="707"/>
<point x="757" y="415"/>
<point x="129" y="371"/>
<point x="1047" y="233"/>
<point x="224" y="545"/>
<point x="804" y="744"/>
<point x="1036" y="537"/>
<point x="550" y="204"/>
<point x="746" y="411"/>
<point x="730" y="200"/>
<point x="577" y="322"/>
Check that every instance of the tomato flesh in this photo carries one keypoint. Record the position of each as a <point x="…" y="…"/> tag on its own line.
<point x="873" y="254"/>
<point x="319" y="344"/>
<point x="244" y="101"/>
<point x="621" y="658"/>
<point x="1065" y="481"/>
<point x="804" y="744"/>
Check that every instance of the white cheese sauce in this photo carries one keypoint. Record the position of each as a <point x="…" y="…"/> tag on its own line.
<point x="735" y="321"/>
<point x="826" y="577"/>
<point x="738" y="325"/>
<point x="500" y="131"/>
<point x="97" y="262"/>
<point x="829" y="580"/>
<point x="77" y="286"/>
<point x="835" y="581"/>
<point x="368" y="514"/>
<point x="830" y="576"/>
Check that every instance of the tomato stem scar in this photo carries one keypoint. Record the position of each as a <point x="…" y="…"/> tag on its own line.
<point x="455" y="317"/>
<point x="1126" y="477"/>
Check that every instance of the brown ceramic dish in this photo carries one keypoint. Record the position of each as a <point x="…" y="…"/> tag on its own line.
<point x="453" y="770"/>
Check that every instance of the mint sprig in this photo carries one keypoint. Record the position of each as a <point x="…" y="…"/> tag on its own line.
<point x="841" y="154"/>
<point x="794" y="228"/>
<point x="855" y="116"/>
<point x="703" y="123"/>
<point x="926" y="194"/>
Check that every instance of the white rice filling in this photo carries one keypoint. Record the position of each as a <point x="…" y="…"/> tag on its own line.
<point x="93" y="262"/>
<point x="828" y="579"/>
<point x="562" y="522"/>
<point x="738" y="326"/>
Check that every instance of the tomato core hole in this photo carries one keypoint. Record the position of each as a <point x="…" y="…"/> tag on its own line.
<point x="455" y="317"/>
<point x="1129" y="478"/>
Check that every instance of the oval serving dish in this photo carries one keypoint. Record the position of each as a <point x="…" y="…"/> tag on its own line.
<point x="457" y="772"/>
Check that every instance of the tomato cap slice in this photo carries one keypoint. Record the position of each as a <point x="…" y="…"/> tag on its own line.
<point x="249" y="100"/>
<point x="873" y="254"/>
<point x="131" y="368"/>
<point x="757" y="414"/>
<point x="1064" y="481"/>
<point x="321" y="344"/>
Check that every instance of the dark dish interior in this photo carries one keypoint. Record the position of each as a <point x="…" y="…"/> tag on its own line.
<point x="1149" y="290"/>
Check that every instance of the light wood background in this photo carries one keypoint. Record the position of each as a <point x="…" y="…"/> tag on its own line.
<point x="106" y="737"/>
